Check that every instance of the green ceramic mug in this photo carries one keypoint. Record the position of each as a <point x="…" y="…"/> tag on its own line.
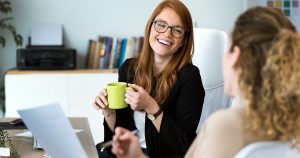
<point x="116" y="95"/>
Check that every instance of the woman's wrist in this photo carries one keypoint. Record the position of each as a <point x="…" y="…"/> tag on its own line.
<point x="153" y="108"/>
<point x="107" y="112"/>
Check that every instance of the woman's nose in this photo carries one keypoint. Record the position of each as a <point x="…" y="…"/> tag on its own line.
<point x="168" y="31"/>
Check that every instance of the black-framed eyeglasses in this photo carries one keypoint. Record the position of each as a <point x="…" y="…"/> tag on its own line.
<point x="162" y="26"/>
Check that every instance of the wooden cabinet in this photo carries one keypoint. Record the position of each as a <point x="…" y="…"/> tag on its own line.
<point x="74" y="90"/>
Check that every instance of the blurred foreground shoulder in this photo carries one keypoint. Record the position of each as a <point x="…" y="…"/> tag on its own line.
<point x="229" y="120"/>
<point x="220" y="136"/>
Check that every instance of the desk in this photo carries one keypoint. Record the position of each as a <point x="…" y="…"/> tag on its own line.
<point x="25" y="148"/>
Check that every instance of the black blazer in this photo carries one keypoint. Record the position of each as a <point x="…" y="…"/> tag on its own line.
<point x="182" y="111"/>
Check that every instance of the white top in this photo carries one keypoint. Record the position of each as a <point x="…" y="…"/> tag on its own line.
<point x="139" y="120"/>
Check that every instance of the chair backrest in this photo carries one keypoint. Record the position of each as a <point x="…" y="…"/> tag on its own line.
<point x="272" y="149"/>
<point x="210" y="45"/>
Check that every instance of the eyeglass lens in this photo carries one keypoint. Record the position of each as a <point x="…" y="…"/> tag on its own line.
<point x="162" y="26"/>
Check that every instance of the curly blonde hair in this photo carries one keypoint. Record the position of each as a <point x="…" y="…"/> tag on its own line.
<point x="270" y="72"/>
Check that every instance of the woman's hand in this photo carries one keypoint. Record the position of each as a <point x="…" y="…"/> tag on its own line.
<point x="101" y="102"/>
<point x="126" y="144"/>
<point x="139" y="99"/>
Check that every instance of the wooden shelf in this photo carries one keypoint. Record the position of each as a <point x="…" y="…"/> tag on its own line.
<point x="80" y="71"/>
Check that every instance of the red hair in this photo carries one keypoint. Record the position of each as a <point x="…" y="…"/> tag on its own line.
<point x="144" y="64"/>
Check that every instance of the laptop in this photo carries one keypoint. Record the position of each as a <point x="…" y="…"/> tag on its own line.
<point x="52" y="129"/>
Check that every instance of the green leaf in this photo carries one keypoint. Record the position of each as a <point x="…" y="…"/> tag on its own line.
<point x="19" y="40"/>
<point x="17" y="37"/>
<point x="3" y="20"/>
<point x="5" y="7"/>
<point x="2" y="41"/>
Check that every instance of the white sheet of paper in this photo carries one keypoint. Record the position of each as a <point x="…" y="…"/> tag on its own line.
<point x="53" y="130"/>
<point x="46" y="34"/>
<point x="29" y="134"/>
<point x="24" y="134"/>
<point x="4" y="151"/>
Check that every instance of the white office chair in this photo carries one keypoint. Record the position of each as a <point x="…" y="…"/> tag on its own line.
<point x="272" y="149"/>
<point x="210" y="45"/>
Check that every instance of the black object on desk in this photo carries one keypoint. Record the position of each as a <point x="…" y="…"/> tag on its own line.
<point x="14" y="124"/>
<point x="46" y="58"/>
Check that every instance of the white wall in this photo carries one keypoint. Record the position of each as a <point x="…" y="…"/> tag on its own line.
<point x="84" y="19"/>
<point x="251" y="3"/>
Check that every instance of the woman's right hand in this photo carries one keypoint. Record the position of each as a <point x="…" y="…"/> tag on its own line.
<point x="126" y="144"/>
<point x="101" y="101"/>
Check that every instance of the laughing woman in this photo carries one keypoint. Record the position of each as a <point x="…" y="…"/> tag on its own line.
<point x="168" y="95"/>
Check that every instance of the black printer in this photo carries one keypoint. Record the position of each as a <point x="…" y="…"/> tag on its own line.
<point x="45" y="50"/>
<point x="46" y="58"/>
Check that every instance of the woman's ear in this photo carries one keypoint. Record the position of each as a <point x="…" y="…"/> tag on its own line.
<point x="235" y="56"/>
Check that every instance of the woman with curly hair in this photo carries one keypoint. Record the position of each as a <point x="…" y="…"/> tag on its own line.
<point x="262" y="72"/>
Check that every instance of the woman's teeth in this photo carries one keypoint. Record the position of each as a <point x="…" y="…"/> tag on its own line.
<point x="164" y="42"/>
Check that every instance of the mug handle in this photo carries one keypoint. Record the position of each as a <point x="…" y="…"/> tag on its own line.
<point x="130" y="89"/>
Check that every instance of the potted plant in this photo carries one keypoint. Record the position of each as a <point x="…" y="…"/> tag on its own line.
<point x="5" y="8"/>
<point x="5" y="141"/>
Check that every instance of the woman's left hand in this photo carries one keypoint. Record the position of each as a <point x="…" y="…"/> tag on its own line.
<point x="139" y="99"/>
